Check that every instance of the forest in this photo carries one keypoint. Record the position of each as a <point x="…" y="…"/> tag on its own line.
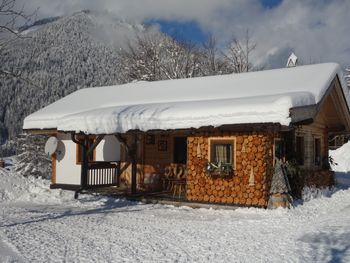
<point x="53" y="57"/>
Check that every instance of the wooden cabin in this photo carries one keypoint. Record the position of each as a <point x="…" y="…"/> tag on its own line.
<point x="211" y="139"/>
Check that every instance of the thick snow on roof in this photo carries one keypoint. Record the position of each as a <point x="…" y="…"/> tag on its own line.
<point x="257" y="97"/>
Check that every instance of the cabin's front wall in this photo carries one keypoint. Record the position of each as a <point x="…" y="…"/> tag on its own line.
<point x="67" y="170"/>
<point x="310" y="133"/>
<point x="253" y="154"/>
<point x="253" y="158"/>
<point x="108" y="150"/>
<point x="155" y="151"/>
<point x="315" y="173"/>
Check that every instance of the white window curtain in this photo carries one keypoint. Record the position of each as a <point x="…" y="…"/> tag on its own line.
<point x="223" y="153"/>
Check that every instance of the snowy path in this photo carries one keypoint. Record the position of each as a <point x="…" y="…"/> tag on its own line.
<point x="107" y="230"/>
<point x="42" y="225"/>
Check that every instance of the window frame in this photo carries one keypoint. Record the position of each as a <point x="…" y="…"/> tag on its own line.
<point x="223" y="140"/>
<point x="79" y="152"/>
<point x="175" y="148"/>
<point x="303" y="149"/>
<point x="281" y="141"/>
<point x="320" y="150"/>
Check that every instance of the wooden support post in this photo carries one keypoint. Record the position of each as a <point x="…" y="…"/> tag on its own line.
<point x="84" y="164"/>
<point x="86" y="151"/>
<point x="118" y="174"/>
<point x="132" y="154"/>
<point x="94" y="145"/>
<point x="133" y="157"/>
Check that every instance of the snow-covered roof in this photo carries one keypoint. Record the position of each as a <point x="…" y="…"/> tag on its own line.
<point x="256" y="97"/>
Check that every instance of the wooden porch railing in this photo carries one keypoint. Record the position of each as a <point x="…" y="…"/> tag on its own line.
<point x="103" y="174"/>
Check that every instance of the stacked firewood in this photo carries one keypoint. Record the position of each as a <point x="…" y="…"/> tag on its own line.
<point x="250" y="179"/>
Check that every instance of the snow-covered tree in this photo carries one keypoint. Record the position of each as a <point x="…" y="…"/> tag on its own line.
<point x="156" y="56"/>
<point x="347" y="77"/>
<point x="11" y="18"/>
<point x="211" y="60"/>
<point x="57" y="57"/>
<point x="31" y="158"/>
<point x="238" y="54"/>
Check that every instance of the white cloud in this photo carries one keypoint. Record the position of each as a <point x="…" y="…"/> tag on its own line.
<point x="317" y="30"/>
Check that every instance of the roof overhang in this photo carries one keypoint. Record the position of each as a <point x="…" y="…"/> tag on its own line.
<point x="41" y="131"/>
<point x="332" y="109"/>
<point x="285" y="96"/>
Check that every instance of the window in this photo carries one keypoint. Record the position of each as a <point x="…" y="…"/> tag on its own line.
<point x="222" y="150"/>
<point x="278" y="149"/>
<point x="79" y="150"/>
<point x="317" y="151"/>
<point x="180" y="150"/>
<point x="300" y="150"/>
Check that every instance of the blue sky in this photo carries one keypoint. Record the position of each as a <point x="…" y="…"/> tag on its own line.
<point x="190" y="30"/>
<point x="316" y="30"/>
<point x="182" y="31"/>
<point x="270" y="3"/>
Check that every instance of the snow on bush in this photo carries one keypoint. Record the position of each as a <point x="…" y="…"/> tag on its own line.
<point x="309" y="193"/>
<point x="32" y="159"/>
<point x="341" y="157"/>
<point x="15" y="187"/>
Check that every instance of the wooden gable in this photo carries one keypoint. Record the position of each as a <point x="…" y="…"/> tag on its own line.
<point x="331" y="112"/>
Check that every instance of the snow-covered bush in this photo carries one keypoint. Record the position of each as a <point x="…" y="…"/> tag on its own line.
<point x="8" y="149"/>
<point x="309" y="193"/>
<point x="32" y="160"/>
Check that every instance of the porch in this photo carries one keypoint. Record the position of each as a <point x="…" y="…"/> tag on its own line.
<point x="171" y="166"/>
<point x="114" y="179"/>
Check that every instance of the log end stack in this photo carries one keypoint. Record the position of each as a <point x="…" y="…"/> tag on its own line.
<point x="253" y="153"/>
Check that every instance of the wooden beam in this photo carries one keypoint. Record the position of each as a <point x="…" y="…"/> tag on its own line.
<point x="337" y="129"/>
<point x="41" y="132"/>
<point x="84" y="164"/>
<point x="53" y="175"/>
<point x="133" y="156"/>
<point x="122" y="141"/>
<point x="94" y="145"/>
<point x="131" y="150"/>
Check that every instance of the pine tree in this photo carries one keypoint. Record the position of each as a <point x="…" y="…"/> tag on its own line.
<point x="31" y="158"/>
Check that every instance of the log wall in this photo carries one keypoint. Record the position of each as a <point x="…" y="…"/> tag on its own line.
<point x="254" y="152"/>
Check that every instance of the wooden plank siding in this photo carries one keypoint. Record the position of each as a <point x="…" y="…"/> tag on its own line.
<point x="253" y="152"/>
<point x="53" y="163"/>
<point x="310" y="132"/>
<point x="150" y="158"/>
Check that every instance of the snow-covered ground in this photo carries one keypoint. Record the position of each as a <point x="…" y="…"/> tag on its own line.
<point x="41" y="225"/>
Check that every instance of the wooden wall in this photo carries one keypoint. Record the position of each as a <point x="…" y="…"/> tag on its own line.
<point x="315" y="175"/>
<point x="310" y="132"/>
<point x="155" y="158"/>
<point x="152" y="157"/>
<point x="254" y="151"/>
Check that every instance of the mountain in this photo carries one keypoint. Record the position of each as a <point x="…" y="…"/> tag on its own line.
<point x="55" y="57"/>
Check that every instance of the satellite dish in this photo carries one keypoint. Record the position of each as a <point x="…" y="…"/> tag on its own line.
<point x="51" y="146"/>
